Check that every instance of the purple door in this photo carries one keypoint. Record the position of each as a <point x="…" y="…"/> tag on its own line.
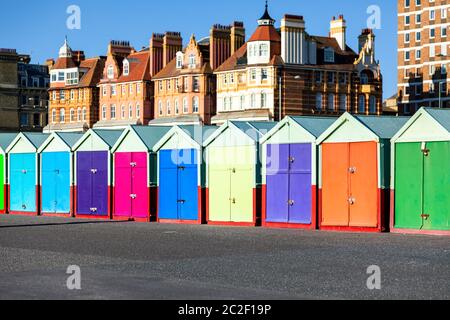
<point x="92" y="183"/>
<point x="289" y="198"/>
<point x="300" y="184"/>
<point x="84" y="183"/>
<point x="277" y="183"/>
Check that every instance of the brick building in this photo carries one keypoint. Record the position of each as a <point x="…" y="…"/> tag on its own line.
<point x="23" y="92"/>
<point x="287" y="71"/>
<point x="185" y="89"/>
<point x="125" y="87"/>
<point x="423" y="54"/>
<point x="73" y="93"/>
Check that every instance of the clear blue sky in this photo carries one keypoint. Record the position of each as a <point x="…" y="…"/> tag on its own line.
<point x="39" y="27"/>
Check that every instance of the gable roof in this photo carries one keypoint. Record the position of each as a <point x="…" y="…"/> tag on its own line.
<point x="94" y="74"/>
<point x="384" y="127"/>
<point x="442" y="116"/>
<point x="150" y="135"/>
<point x="36" y="139"/>
<point x="197" y="133"/>
<point x="329" y="42"/>
<point x="110" y="137"/>
<point x="139" y="67"/>
<point x="68" y="138"/>
<point x="6" y="139"/>
<point x="315" y="125"/>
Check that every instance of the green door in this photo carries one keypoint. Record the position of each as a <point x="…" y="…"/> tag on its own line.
<point x="408" y="185"/>
<point x="242" y="182"/>
<point x="219" y="184"/>
<point x="2" y="182"/>
<point x="437" y="186"/>
<point x="422" y="182"/>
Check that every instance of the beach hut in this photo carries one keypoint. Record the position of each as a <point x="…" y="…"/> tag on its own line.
<point x="5" y="141"/>
<point x="233" y="173"/>
<point x="181" y="174"/>
<point x="289" y="172"/>
<point x="135" y="173"/>
<point x="93" y="173"/>
<point x="355" y="173"/>
<point x="23" y="173"/>
<point x="421" y="174"/>
<point x="56" y="174"/>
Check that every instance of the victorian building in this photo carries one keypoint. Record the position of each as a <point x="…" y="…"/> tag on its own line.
<point x="23" y="92"/>
<point x="287" y="71"/>
<point x="423" y="55"/>
<point x="73" y="93"/>
<point x="185" y="89"/>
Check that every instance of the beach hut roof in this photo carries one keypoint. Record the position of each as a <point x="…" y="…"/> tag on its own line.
<point x="6" y="139"/>
<point x="442" y="116"/>
<point x="109" y="136"/>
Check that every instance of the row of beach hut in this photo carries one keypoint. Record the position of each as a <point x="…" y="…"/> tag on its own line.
<point x="354" y="173"/>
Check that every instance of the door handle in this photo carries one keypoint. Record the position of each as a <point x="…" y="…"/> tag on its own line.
<point x="94" y="171"/>
<point x="425" y="216"/>
<point x="291" y="202"/>
<point x="351" y="201"/>
<point x="233" y="170"/>
<point x="24" y="206"/>
<point x="133" y="164"/>
<point x="181" y="168"/>
<point x="57" y="171"/>
<point x="182" y="201"/>
<point x="233" y="201"/>
<point x="291" y="159"/>
<point x="93" y="209"/>
<point x="24" y="171"/>
<point x="133" y="196"/>
<point x="352" y="170"/>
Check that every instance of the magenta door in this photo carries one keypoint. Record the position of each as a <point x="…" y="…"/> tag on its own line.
<point x="139" y="186"/>
<point x="122" y="186"/>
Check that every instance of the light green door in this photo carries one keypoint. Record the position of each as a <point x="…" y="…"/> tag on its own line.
<point x="408" y="185"/>
<point x="437" y="186"/>
<point x="242" y="184"/>
<point x="219" y="184"/>
<point x="2" y="182"/>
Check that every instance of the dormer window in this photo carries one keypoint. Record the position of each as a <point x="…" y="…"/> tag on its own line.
<point x="126" y="68"/>
<point x="179" y="60"/>
<point x="329" y="55"/>
<point x="110" y="72"/>
<point x="192" y="62"/>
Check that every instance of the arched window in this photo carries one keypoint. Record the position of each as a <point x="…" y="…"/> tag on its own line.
<point x="362" y="104"/>
<point x="185" y="105"/>
<point x="62" y="115"/>
<point x="122" y="111"/>
<point x="104" y="112"/>
<point x="113" y="111"/>
<point x="84" y="114"/>
<point x="331" y="104"/>
<point x="160" y="107"/>
<point x="179" y="60"/>
<point x="373" y="105"/>
<point x="72" y="115"/>
<point x="130" y="111"/>
<point x="177" y="107"/>
<point x="319" y="101"/>
<point x="195" y="105"/>
<point x="54" y="116"/>
<point x="169" y="111"/>
<point x="343" y="103"/>
<point x="79" y="114"/>
<point x="126" y="68"/>
<point x="263" y="100"/>
<point x="138" y="110"/>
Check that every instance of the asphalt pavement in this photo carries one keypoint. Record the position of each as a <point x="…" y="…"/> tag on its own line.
<point x="126" y="260"/>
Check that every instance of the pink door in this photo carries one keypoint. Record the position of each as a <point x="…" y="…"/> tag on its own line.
<point x="122" y="186"/>
<point x="140" y="206"/>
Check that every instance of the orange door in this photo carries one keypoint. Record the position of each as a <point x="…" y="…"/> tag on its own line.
<point x="363" y="172"/>
<point x="335" y="164"/>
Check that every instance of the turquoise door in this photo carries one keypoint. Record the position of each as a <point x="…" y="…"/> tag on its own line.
<point x="23" y="182"/>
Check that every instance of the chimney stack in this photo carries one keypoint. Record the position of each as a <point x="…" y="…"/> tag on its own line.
<point x="220" y="45"/>
<point x="338" y="29"/>
<point x="294" y="49"/>
<point x="156" y="53"/>
<point x="120" y="48"/>
<point x="78" y="56"/>
<point x="172" y="43"/>
<point x="237" y="36"/>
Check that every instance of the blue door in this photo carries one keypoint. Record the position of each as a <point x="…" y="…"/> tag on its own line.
<point x="187" y="185"/>
<point x="23" y="182"/>
<point x="56" y="182"/>
<point x="178" y="187"/>
<point x="168" y="188"/>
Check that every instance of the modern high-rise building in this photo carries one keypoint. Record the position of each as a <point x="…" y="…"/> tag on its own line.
<point x="423" y="54"/>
